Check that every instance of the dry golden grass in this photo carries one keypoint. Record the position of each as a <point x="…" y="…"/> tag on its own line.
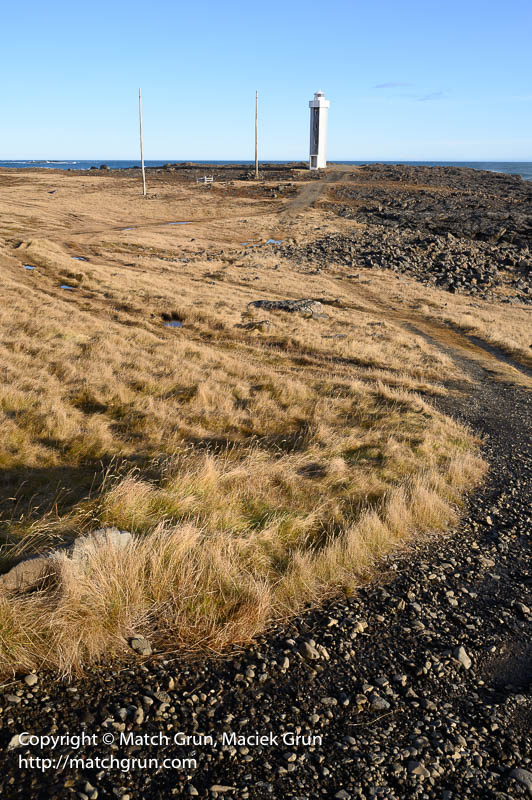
<point x="243" y="564"/>
<point x="507" y="329"/>
<point x="259" y="470"/>
<point x="505" y="326"/>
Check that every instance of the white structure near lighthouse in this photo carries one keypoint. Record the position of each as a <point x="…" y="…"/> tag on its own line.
<point x="319" y="111"/>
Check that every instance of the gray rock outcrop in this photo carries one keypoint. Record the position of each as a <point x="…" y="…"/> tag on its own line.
<point x="31" y="571"/>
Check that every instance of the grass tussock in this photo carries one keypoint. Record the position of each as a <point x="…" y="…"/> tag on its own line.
<point x="225" y="547"/>
<point x="189" y="586"/>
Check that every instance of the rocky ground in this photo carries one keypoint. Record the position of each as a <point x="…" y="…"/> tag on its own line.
<point x="475" y="204"/>
<point x="457" y="265"/>
<point x="419" y="688"/>
<point x="460" y="229"/>
<point x="189" y="172"/>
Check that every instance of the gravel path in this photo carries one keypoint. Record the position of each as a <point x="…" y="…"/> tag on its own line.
<point x="418" y="688"/>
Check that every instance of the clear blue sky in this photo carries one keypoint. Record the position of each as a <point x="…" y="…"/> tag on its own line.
<point x="407" y="79"/>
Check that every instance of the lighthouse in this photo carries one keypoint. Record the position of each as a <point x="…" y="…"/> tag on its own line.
<point x="319" y="111"/>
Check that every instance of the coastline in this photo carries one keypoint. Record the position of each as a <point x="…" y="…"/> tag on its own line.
<point x="522" y="168"/>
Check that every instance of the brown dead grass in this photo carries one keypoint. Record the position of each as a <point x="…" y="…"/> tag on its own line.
<point x="505" y="326"/>
<point x="259" y="470"/>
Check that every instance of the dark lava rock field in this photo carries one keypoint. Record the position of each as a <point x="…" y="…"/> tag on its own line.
<point x="460" y="229"/>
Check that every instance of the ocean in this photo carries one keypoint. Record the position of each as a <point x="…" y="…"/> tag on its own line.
<point x="523" y="168"/>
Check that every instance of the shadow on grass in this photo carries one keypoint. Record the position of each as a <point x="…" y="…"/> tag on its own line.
<point x="30" y="494"/>
<point x="289" y="442"/>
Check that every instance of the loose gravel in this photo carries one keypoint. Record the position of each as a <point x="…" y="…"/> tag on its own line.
<point x="416" y="688"/>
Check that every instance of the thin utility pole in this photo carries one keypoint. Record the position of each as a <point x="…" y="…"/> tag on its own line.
<point x="256" y="136"/>
<point x="142" y="146"/>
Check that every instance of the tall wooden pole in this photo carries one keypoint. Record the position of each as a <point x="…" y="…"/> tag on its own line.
<point x="256" y="136"/>
<point x="142" y="146"/>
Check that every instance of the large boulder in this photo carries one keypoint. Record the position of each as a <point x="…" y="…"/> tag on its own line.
<point x="306" y="305"/>
<point x="82" y="546"/>
<point x="25" y="574"/>
<point x="28" y="573"/>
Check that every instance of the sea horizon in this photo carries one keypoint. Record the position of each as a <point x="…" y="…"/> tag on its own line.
<point x="522" y="168"/>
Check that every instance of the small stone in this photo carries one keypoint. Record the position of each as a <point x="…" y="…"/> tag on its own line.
<point x="216" y="787"/>
<point x="379" y="703"/>
<point x="342" y="795"/>
<point x="460" y="655"/>
<point x="417" y="768"/>
<point x="308" y="650"/>
<point x="139" y="716"/>
<point x="329" y="701"/>
<point x="141" y="646"/>
<point x="103" y="537"/>
<point x="14" y="742"/>
<point x="90" y="791"/>
<point x="31" y="679"/>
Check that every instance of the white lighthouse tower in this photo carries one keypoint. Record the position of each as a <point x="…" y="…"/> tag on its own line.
<point x="319" y="111"/>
